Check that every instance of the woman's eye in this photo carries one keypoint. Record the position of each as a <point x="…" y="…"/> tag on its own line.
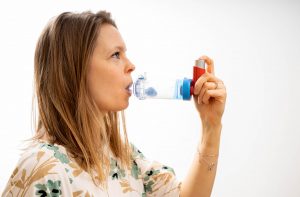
<point x="116" y="55"/>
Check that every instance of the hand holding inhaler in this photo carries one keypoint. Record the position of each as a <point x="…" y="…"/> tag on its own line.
<point x="210" y="96"/>
<point x="208" y="91"/>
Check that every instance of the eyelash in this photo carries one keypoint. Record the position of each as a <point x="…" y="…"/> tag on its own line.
<point x="116" y="54"/>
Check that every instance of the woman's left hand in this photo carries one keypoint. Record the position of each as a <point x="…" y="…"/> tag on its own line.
<point x="210" y="95"/>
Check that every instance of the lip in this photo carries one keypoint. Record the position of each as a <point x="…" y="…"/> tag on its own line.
<point x="129" y="92"/>
<point x="128" y="88"/>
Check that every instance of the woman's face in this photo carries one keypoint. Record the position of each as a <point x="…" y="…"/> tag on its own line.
<point x="109" y="74"/>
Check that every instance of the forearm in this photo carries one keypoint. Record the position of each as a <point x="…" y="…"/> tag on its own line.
<point x="200" y="179"/>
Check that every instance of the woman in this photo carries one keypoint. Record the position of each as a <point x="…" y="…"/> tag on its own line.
<point x="82" y="80"/>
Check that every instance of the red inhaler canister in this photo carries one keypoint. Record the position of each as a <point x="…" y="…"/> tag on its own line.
<point x="198" y="70"/>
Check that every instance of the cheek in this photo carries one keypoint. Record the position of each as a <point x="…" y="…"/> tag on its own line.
<point x="94" y="82"/>
<point x="97" y="76"/>
<point x="103" y="90"/>
<point x="105" y="86"/>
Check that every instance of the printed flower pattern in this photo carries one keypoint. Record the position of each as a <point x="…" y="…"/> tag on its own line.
<point x="46" y="170"/>
<point x="51" y="188"/>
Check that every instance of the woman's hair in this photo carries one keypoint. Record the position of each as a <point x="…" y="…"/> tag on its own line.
<point x="68" y="115"/>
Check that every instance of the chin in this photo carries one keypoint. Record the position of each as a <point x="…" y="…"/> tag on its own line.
<point x="125" y="106"/>
<point x="121" y="107"/>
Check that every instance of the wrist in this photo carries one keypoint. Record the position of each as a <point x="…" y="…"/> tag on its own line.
<point x="207" y="149"/>
<point x="210" y="159"/>
<point x="211" y="136"/>
<point x="216" y="125"/>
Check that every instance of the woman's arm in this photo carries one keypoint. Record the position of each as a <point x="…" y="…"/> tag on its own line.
<point x="200" y="179"/>
<point x="210" y="97"/>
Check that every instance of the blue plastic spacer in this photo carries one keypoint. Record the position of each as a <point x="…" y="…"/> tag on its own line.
<point x="186" y="89"/>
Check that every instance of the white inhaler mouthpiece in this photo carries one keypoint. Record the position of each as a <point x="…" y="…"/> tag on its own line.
<point x="144" y="88"/>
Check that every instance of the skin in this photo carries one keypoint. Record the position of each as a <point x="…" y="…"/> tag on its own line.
<point x="109" y="76"/>
<point x="110" y="70"/>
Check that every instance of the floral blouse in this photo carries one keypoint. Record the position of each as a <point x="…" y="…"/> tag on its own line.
<point x="46" y="170"/>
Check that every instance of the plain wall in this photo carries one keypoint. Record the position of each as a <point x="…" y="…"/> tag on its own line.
<point x="256" y="49"/>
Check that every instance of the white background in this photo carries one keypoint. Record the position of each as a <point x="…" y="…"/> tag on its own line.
<point x="256" y="49"/>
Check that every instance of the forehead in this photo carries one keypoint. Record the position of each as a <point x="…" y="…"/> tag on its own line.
<point x="109" y="38"/>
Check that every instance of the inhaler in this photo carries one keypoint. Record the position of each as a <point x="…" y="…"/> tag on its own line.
<point x="182" y="89"/>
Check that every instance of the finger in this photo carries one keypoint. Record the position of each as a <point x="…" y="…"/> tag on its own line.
<point x="206" y="77"/>
<point x="220" y="85"/>
<point x="210" y="64"/>
<point x="212" y="94"/>
<point x="200" y="82"/>
<point x="208" y="86"/>
<point x="211" y="85"/>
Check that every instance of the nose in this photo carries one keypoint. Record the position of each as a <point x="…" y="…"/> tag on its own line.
<point x="129" y="66"/>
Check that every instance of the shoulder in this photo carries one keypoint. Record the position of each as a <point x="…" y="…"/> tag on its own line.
<point x="43" y="157"/>
<point x="148" y="166"/>
<point x="136" y="153"/>
<point x="158" y="179"/>
<point x="41" y="168"/>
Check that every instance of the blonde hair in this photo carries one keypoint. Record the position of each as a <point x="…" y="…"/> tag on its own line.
<point x="67" y="113"/>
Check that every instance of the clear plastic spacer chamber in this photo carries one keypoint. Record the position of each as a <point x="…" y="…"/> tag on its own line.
<point x="144" y="88"/>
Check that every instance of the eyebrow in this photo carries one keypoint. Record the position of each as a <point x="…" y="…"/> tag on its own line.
<point x="120" y="48"/>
